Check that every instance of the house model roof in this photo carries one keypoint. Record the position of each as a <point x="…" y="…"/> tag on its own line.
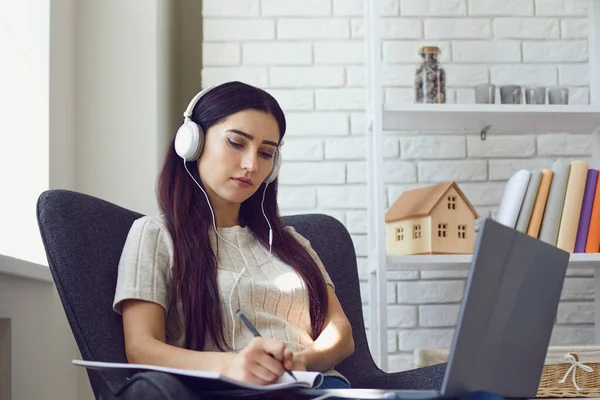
<point x="421" y="202"/>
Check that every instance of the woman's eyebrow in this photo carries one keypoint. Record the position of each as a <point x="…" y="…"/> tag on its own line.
<point x="250" y="137"/>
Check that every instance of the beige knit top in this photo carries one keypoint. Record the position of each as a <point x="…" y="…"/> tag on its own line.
<point x="269" y="292"/>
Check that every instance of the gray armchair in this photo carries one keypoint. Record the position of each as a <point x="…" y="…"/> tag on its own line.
<point x="83" y="237"/>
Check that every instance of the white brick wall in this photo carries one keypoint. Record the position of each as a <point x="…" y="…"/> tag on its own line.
<point x="501" y="7"/>
<point x="528" y="28"/>
<point x="310" y="55"/>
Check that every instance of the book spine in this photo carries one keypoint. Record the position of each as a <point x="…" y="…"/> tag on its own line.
<point x="592" y="244"/>
<point x="586" y="211"/>
<point x="554" y="206"/>
<point x="529" y="201"/>
<point x="572" y="206"/>
<point x="512" y="199"/>
<point x="540" y="203"/>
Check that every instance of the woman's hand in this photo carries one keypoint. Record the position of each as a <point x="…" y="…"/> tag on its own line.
<point x="260" y="363"/>
<point x="299" y="362"/>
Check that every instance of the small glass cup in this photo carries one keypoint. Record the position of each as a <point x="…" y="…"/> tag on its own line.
<point x="558" y="95"/>
<point x="485" y="93"/>
<point x="510" y="94"/>
<point x="535" y="95"/>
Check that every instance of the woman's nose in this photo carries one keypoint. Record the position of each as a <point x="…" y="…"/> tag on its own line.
<point x="250" y="162"/>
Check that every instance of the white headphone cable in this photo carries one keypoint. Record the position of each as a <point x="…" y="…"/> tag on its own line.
<point x="262" y="207"/>
<point x="238" y="249"/>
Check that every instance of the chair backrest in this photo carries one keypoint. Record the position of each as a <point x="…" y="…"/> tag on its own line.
<point x="83" y="237"/>
<point x="332" y="242"/>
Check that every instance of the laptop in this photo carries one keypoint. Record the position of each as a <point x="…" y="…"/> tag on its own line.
<point x="505" y="321"/>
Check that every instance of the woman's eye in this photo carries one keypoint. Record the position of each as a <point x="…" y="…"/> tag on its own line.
<point x="235" y="144"/>
<point x="264" y="154"/>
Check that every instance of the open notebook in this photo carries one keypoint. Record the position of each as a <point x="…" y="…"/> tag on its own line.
<point x="305" y="379"/>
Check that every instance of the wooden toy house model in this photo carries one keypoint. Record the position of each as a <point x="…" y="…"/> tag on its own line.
<point x="431" y="220"/>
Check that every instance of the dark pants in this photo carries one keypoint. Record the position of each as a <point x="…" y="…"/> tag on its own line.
<point x="162" y="386"/>
<point x="333" y="382"/>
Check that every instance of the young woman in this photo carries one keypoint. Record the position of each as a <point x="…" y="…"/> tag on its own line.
<point x="218" y="246"/>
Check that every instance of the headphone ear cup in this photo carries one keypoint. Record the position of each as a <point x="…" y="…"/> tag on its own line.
<point x="189" y="141"/>
<point x="276" y="166"/>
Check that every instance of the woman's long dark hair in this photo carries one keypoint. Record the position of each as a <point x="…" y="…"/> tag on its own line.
<point x="188" y="219"/>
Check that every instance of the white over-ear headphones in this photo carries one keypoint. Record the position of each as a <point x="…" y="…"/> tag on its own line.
<point x="189" y="139"/>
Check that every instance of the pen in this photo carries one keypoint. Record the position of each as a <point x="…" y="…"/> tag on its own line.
<point x="256" y="334"/>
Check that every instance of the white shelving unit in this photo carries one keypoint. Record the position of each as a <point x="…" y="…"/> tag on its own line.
<point x="457" y="262"/>
<point x="487" y="119"/>
<point x="500" y="117"/>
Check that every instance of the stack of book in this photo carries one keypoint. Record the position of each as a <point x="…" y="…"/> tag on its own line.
<point x="560" y="206"/>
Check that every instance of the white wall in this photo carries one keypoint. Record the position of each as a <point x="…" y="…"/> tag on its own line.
<point x="94" y="114"/>
<point x="24" y="123"/>
<point x="36" y="153"/>
<point x="310" y="55"/>
<point x="188" y="60"/>
<point x="41" y="341"/>
<point x="121" y="80"/>
<point x="62" y="107"/>
<point x="88" y="92"/>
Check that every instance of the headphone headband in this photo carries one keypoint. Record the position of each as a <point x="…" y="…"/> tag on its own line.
<point x="190" y="108"/>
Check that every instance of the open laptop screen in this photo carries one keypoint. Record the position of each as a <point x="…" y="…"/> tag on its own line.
<point x="507" y="314"/>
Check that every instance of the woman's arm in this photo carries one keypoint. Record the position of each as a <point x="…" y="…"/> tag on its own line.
<point x="335" y="342"/>
<point x="145" y="343"/>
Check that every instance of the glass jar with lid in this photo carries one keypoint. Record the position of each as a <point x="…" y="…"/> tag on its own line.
<point x="430" y="77"/>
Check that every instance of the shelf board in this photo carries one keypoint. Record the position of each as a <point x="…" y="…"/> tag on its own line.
<point x="525" y="118"/>
<point x="463" y="261"/>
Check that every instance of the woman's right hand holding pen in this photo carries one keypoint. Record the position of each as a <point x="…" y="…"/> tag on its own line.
<point x="261" y="362"/>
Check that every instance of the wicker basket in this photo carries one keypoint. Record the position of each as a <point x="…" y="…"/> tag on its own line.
<point x="563" y="364"/>
<point x="571" y="372"/>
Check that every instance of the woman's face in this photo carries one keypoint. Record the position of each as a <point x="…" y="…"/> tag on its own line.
<point x="238" y="155"/>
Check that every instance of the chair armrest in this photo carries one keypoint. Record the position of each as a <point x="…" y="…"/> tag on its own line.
<point x="426" y="378"/>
